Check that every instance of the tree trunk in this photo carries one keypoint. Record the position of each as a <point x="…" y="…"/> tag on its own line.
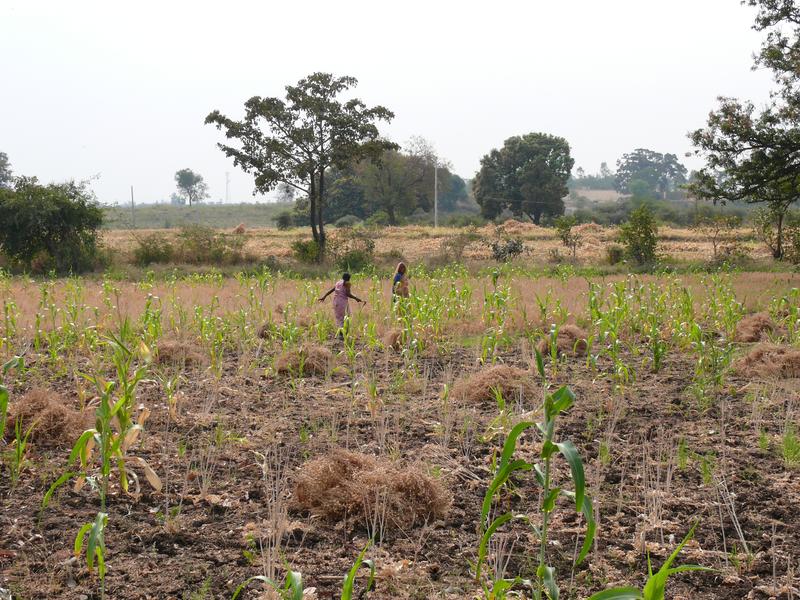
<point x="321" y="213"/>
<point x="312" y="208"/>
<point x="777" y="252"/>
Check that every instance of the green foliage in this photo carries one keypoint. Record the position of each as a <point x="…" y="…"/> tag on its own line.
<point x="294" y="141"/>
<point x="191" y="187"/>
<point x="292" y="588"/>
<point x="284" y="220"/>
<point x="352" y="249"/>
<point x="306" y="251"/>
<point x="564" y="230"/>
<point x="645" y="173"/>
<point x="615" y="254"/>
<point x="92" y="535"/>
<point x="350" y="578"/>
<point x="656" y="584"/>
<point x="554" y="405"/>
<point x="347" y="221"/>
<point x="790" y="446"/>
<point x="6" y="177"/>
<point x="153" y="248"/>
<point x="378" y="218"/>
<point x="59" y="221"/>
<point x="639" y="236"/>
<point x="199" y="244"/>
<point x="527" y="176"/>
<point x="506" y="249"/>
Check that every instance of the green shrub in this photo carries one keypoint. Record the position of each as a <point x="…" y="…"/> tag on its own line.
<point x="55" y="224"/>
<point x="199" y="244"/>
<point x="615" y="254"/>
<point x="639" y="236"/>
<point x="452" y="248"/>
<point x="506" y="249"/>
<point x="305" y="251"/>
<point x="154" y="248"/>
<point x="351" y="249"/>
<point x="347" y="221"/>
<point x="284" y="220"/>
<point x="378" y="218"/>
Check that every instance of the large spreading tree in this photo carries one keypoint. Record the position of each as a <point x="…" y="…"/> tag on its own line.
<point x="297" y="139"/>
<point x="527" y="176"/>
<point x="645" y="172"/>
<point x="754" y="156"/>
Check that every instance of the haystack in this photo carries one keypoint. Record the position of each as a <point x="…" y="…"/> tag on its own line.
<point x="306" y="360"/>
<point x="754" y="328"/>
<point x="54" y="423"/>
<point x="481" y="386"/>
<point x="770" y="361"/>
<point x="393" y="339"/>
<point x="571" y="340"/>
<point x="179" y="354"/>
<point x="344" y="484"/>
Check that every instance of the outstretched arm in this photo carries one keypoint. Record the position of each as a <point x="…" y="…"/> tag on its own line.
<point x="349" y="295"/>
<point x="328" y="293"/>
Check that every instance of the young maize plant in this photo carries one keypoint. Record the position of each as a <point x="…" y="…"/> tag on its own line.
<point x="93" y="536"/>
<point x="655" y="587"/>
<point x="545" y="585"/>
<point x="15" y="363"/>
<point x="117" y="428"/>
<point x="292" y="587"/>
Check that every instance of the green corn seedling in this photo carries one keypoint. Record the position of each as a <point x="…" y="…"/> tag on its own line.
<point x="92" y="535"/>
<point x="656" y="584"/>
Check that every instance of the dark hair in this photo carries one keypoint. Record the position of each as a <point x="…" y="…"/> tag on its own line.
<point x="345" y="276"/>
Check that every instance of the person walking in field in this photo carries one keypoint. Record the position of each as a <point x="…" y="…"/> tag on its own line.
<point x="400" y="282"/>
<point x="341" y="294"/>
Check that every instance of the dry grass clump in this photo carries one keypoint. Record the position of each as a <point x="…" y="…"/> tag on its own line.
<point x="393" y="339"/>
<point x="481" y="386"/>
<point x="344" y="484"/>
<point x="570" y="340"/>
<point x="54" y="423"/>
<point x="770" y="361"/>
<point x="306" y="360"/>
<point x="179" y="354"/>
<point x="754" y="328"/>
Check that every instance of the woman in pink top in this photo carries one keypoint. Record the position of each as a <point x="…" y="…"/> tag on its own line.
<point x="341" y="292"/>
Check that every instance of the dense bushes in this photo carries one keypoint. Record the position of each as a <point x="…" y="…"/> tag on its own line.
<point x="196" y="245"/>
<point x="44" y="227"/>
<point x="639" y="236"/>
<point x="352" y="249"/>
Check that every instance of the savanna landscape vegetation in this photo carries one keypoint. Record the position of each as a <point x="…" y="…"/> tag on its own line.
<point x="591" y="390"/>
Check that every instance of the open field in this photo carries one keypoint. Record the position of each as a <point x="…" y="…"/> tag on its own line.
<point x="418" y="243"/>
<point x="247" y="403"/>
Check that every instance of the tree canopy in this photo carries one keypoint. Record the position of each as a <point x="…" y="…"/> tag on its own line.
<point x="527" y="176"/>
<point x="754" y="156"/>
<point x="191" y="187"/>
<point x="645" y="172"/>
<point x="54" y="224"/>
<point x="296" y="140"/>
<point x="6" y="177"/>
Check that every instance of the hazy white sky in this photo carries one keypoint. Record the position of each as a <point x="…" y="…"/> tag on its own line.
<point x="120" y="90"/>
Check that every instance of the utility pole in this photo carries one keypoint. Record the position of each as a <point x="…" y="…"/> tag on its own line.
<point x="436" y="195"/>
<point x="133" y="210"/>
<point x="227" y="187"/>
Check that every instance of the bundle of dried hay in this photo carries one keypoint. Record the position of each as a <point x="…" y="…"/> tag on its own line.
<point x="754" y="328"/>
<point x="393" y="339"/>
<point x="179" y="354"/>
<point x="306" y="360"/>
<point x="239" y="229"/>
<point x="571" y="340"/>
<point x="770" y="361"/>
<point x="481" y="386"/>
<point x="344" y="484"/>
<point x="54" y="423"/>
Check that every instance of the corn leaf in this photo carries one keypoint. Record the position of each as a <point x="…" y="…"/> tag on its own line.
<point x="569" y="452"/>
<point x="620" y="593"/>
